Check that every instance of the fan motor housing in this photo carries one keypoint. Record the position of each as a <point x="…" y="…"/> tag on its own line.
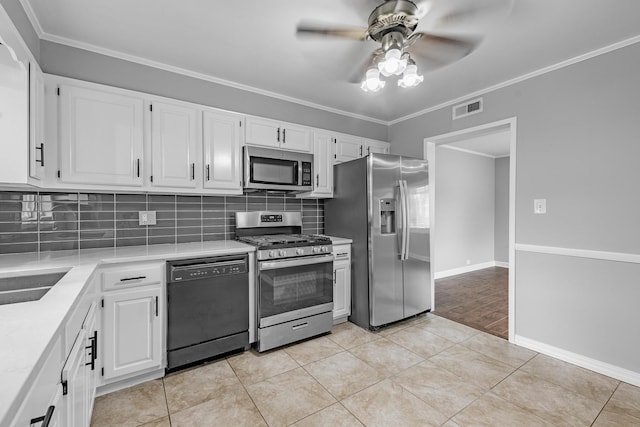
<point x="398" y="16"/>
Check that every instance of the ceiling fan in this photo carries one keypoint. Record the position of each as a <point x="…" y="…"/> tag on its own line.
<point x="393" y="24"/>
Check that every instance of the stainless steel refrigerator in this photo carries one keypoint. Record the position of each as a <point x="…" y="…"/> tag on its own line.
<point x="382" y="202"/>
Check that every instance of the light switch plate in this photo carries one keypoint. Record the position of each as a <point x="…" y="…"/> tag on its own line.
<point x="147" y="217"/>
<point x="540" y="206"/>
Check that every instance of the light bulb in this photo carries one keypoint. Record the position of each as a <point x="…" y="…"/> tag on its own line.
<point x="410" y="77"/>
<point x="393" y="63"/>
<point x="372" y="82"/>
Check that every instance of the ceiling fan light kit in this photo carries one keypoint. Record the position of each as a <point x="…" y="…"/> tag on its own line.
<point x="393" y="24"/>
<point x="372" y="81"/>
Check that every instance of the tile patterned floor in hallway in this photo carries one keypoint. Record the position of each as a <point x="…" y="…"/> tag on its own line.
<point x="425" y="371"/>
<point x="479" y="299"/>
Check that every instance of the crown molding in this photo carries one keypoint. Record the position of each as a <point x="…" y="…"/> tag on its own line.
<point x="477" y="153"/>
<point x="201" y="76"/>
<point x="33" y="18"/>
<point x="155" y="64"/>
<point x="539" y="72"/>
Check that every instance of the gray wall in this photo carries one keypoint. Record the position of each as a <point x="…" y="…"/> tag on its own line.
<point x="577" y="146"/>
<point x="501" y="224"/>
<point x="21" y="21"/>
<point x="464" y="209"/>
<point x="85" y="65"/>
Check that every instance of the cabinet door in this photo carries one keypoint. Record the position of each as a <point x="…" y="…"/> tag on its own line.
<point x="221" y="138"/>
<point x="373" y="146"/>
<point x="341" y="289"/>
<point x="296" y="138"/>
<point x="100" y="137"/>
<point x="174" y="145"/>
<point x="90" y="326"/>
<point x="323" y="163"/>
<point x="36" y="122"/>
<point x="263" y="132"/>
<point x="347" y="148"/>
<point x="131" y="329"/>
<point x="74" y="376"/>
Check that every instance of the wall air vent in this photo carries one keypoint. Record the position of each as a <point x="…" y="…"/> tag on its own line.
<point x="467" y="109"/>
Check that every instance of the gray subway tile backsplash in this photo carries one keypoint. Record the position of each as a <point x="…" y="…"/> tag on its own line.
<point x="52" y="221"/>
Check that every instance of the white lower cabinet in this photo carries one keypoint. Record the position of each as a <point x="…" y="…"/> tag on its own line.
<point x="79" y="373"/>
<point x="341" y="283"/>
<point x="132" y="330"/>
<point x="43" y="398"/>
<point x="74" y="383"/>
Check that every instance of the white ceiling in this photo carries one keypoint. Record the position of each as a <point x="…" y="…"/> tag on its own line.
<point x="252" y="43"/>
<point x="494" y="144"/>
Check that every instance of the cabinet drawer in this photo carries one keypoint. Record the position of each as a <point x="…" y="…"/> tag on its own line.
<point x="341" y="252"/>
<point x="131" y="275"/>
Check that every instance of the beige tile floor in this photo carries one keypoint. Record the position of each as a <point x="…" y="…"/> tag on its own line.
<point x="425" y="371"/>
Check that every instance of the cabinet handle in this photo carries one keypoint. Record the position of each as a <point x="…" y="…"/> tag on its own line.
<point x="128" y="279"/>
<point x="368" y="150"/>
<point x="284" y="136"/>
<point x="193" y="171"/>
<point x="278" y="134"/>
<point x="317" y="180"/>
<point x="45" y="419"/>
<point x="334" y="278"/>
<point x="94" y="350"/>
<point x="138" y="167"/>
<point x="156" y="306"/>
<point x="361" y="150"/>
<point x="41" y="148"/>
<point x="208" y="173"/>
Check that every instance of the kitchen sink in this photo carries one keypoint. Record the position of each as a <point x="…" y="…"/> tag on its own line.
<point x="27" y="288"/>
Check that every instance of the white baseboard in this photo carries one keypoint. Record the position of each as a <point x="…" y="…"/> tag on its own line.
<point x="469" y="268"/>
<point x="604" y="368"/>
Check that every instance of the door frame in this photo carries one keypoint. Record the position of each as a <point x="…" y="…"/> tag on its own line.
<point x="430" y="144"/>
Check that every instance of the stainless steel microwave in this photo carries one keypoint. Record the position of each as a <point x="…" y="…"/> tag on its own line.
<point x="271" y="169"/>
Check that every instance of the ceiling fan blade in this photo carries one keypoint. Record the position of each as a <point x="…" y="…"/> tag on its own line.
<point x="478" y="12"/>
<point x="316" y="29"/>
<point x="441" y="50"/>
<point x="358" y="72"/>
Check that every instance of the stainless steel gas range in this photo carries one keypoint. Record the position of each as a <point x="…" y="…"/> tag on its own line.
<point x="294" y="277"/>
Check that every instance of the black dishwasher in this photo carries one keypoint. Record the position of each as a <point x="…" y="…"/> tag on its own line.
<point x="208" y="308"/>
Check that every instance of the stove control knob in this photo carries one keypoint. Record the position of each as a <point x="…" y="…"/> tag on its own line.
<point x="282" y="252"/>
<point x="316" y="249"/>
<point x="299" y="251"/>
<point x="324" y="249"/>
<point x="272" y="254"/>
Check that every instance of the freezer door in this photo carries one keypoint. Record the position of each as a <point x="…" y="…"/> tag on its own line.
<point x="416" y="268"/>
<point x="385" y="271"/>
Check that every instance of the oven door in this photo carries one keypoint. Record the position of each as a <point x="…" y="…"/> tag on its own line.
<point x="290" y="289"/>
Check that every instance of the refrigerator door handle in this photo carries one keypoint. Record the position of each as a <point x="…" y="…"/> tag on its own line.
<point x="403" y="217"/>
<point x="405" y="224"/>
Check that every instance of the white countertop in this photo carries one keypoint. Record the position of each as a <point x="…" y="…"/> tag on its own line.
<point x="339" y="240"/>
<point x="27" y="329"/>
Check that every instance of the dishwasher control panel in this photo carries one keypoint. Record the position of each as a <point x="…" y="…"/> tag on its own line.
<point x="207" y="268"/>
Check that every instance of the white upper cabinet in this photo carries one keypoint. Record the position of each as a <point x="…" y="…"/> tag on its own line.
<point x="271" y="133"/>
<point x="36" y="122"/>
<point x="373" y="146"/>
<point x="101" y="137"/>
<point x="222" y="151"/>
<point x="347" y="147"/>
<point x="174" y="146"/>
<point x="21" y="110"/>
<point x="322" y="166"/>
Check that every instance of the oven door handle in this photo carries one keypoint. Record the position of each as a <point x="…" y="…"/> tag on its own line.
<point x="297" y="262"/>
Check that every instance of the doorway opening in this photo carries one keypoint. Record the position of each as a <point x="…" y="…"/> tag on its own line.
<point x="472" y="210"/>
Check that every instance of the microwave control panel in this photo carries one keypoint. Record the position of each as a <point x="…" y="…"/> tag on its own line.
<point x="306" y="173"/>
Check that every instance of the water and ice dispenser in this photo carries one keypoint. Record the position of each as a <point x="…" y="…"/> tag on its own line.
<point x="387" y="211"/>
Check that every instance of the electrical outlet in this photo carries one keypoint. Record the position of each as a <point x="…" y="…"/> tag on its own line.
<point x="540" y="206"/>
<point x="147" y="217"/>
